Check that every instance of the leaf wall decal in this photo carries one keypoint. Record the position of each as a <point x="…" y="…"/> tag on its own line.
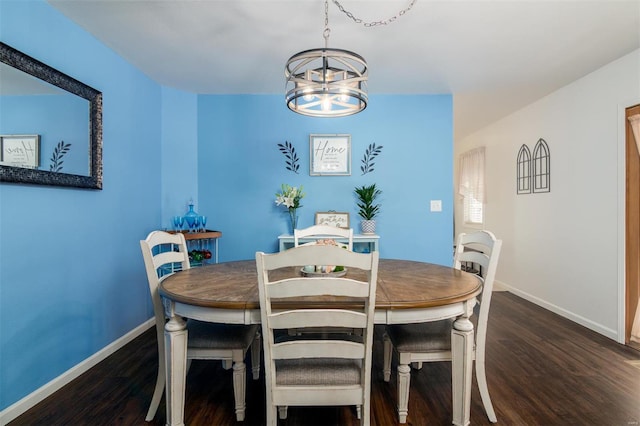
<point x="56" y="158"/>
<point x="291" y="156"/>
<point x="370" y="153"/>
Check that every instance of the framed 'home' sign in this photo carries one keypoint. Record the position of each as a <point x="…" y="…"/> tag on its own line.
<point x="20" y="150"/>
<point x="330" y="155"/>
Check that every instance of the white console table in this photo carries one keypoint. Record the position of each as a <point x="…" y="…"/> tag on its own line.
<point x="362" y="243"/>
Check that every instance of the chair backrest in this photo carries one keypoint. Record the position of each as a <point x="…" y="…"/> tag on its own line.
<point x="482" y="249"/>
<point x="291" y="285"/>
<point x="163" y="254"/>
<point x="324" y="232"/>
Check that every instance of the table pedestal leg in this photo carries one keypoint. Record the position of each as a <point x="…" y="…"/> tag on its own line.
<point x="175" y="348"/>
<point x="461" y="369"/>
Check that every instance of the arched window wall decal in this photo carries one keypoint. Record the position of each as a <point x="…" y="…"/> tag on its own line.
<point x="541" y="167"/>
<point x="524" y="170"/>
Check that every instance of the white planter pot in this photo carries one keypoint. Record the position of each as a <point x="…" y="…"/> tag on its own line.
<point x="368" y="226"/>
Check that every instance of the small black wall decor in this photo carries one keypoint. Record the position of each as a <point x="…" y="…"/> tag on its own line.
<point x="56" y="158"/>
<point x="291" y="156"/>
<point x="524" y="170"/>
<point x="369" y="155"/>
<point x="533" y="172"/>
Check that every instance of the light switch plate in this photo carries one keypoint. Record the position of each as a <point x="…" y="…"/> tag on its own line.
<point x="436" y="205"/>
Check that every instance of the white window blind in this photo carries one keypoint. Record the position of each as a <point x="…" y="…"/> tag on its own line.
<point x="471" y="184"/>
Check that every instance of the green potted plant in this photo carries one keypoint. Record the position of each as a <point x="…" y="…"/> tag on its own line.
<point x="367" y="209"/>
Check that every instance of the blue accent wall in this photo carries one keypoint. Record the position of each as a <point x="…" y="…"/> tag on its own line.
<point x="179" y="153"/>
<point x="240" y="168"/>
<point x="72" y="279"/>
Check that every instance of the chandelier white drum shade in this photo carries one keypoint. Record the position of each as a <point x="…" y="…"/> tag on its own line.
<point x="326" y="83"/>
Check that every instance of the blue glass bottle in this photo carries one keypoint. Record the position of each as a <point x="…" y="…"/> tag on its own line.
<point x="191" y="216"/>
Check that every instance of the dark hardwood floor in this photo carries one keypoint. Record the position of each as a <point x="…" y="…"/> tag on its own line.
<point x="542" y="370"/>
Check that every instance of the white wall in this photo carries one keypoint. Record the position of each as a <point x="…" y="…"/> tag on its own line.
<point x="562" y="249"/>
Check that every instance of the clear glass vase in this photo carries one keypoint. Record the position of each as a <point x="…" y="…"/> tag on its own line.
<point x="293" y="219"/>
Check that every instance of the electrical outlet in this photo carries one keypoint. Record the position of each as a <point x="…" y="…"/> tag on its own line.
<point x="436" y="205"/>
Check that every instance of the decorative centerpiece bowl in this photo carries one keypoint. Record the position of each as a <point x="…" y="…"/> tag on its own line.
<point x="329" y="271"/>
<point x="324" y="270"/>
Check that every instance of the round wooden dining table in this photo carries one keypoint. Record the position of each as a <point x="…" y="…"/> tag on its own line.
<point x="407" y="292"/>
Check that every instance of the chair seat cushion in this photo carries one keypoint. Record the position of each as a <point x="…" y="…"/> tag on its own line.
<point x="317" y="371"/>
<point x="423" y="337"/>
<point x="208" y="335"/>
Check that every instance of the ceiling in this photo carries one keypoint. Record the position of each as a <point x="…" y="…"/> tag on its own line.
<point x="493" y="56"/>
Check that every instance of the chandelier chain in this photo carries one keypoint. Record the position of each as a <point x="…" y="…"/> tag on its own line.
<point x="327" y="30"/>
<point x="372" y="23"/>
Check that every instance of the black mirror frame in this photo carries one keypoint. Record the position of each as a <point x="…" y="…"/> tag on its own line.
<point x="25" y="63"/>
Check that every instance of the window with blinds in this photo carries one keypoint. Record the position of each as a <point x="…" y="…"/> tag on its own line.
<point x="471" y="185"/>
<point x="472" y="210"/>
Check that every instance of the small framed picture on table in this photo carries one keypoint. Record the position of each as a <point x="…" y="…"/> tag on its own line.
<point x="332" y="218"/>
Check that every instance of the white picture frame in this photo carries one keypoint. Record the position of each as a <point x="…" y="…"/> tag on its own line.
<point x="20" y="151"/>
<point x="330" y="155"/>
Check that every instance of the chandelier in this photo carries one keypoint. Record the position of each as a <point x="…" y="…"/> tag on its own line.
<point x="326" y="82"/>
<point x="330" y="82"/>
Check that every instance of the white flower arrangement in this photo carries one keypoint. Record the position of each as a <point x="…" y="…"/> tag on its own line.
<point x="289" y="196"/>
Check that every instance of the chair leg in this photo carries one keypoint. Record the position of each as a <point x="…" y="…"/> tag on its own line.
<point x="255" y="357"/>
<point x="272" y="415"/>
<point x="359" y="411"/>
<point x="386" y="366"/>
<point x="282" y="411"/>
<point x="481" y="378"/>
<point x="157" y="394"/>
<point x="365" y="419"/>
<point x="227" y="364"/>
<point x="404" y="381"/>
<point x="239" y="387"/>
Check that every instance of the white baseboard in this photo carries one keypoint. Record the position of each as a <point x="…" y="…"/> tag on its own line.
<point x="598" y="328"/>
<point x="21" y="406"/>
<point x="499" y="286"/>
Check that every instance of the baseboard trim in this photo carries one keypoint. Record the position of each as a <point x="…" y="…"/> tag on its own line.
<point x="499" y="286"/>
<point x="16" y="409"/>
<point x="598" y="328"/>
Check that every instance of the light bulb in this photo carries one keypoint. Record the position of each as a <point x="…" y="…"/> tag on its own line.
<point x="326" y="103"/>
<point x="308" y="96"/>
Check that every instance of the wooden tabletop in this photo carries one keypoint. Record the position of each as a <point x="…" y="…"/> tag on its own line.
<point x="402" y="284"/>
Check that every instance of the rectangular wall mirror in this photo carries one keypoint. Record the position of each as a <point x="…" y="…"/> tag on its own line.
<point x="50" y="125"/>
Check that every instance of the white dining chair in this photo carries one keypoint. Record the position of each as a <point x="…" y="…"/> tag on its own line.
<point x="164" y="254"/>
<point x="322" y="234"/>
<point x="431" y="341"/>
<point x="306" y="371"/>
<point x="319" y="232"/>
